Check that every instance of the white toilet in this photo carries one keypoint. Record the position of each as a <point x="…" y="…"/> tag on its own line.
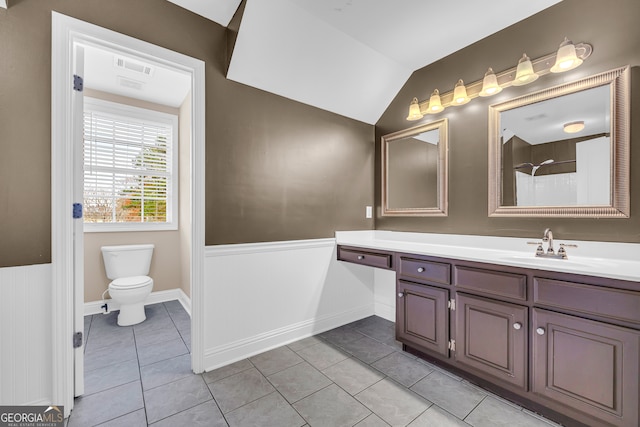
<point x="128" y="267"/>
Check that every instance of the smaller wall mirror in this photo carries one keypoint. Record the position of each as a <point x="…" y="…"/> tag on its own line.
<point x="562" y="151"/>
<point x="414" y="171"/>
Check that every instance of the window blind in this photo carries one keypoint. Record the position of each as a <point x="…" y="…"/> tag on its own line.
<point x="127" y="169"/>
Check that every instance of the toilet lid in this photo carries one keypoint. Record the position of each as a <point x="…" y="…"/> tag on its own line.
<point x="130" y="282"/>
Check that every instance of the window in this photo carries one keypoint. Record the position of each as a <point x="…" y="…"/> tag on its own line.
<point x="130" y="168"/>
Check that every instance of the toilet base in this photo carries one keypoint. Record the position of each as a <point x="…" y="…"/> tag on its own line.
<point x="131" y="314"/>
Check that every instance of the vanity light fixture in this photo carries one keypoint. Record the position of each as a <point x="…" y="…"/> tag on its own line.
<point x="573" y="127"/>
<point x="460" y="94"/>
<point x="567" y="57"/>
<point x="524" y="72"/>
<point x="435" y="103"/>
<point x="490" y="84"/>
<point x="414" y="110"/>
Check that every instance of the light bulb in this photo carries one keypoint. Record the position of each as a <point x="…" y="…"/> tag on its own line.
<point x="460" y="94"/>
<point x="435" y="104"/>
<point x="524" y="72"/>
<point x="490" y="84"/>
<point x="566" y="58"/>
<point x="414" y="110"/>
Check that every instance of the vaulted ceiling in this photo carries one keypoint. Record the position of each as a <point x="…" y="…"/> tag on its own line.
<point x="352" y="57"/>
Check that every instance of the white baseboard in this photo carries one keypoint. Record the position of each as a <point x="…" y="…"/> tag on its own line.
<point x="385" y="311"/>
<point x="241" y="349"/>
<point x="94" y="307"/>
<point x="39" y="402"/>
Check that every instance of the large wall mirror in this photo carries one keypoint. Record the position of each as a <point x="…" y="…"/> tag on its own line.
<point x="414" y="171"/>
<point x="562" y="152"/>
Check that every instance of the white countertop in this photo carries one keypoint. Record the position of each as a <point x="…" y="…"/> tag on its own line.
<point x="601" y="259"/>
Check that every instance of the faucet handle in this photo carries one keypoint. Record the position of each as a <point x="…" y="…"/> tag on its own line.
<point x="539" y="249"/>
<point x="562" y="252"/>
<point x="568" y="245"/>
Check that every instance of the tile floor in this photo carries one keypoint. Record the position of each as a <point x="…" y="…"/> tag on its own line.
<point x="354" y="375"/>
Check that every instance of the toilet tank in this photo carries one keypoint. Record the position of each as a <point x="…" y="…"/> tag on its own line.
<point x="127" y="260"/>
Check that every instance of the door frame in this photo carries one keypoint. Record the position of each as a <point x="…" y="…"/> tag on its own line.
<point x="67" y="31"/>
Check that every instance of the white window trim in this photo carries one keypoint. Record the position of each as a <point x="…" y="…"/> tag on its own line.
<point x="142" y="114"/>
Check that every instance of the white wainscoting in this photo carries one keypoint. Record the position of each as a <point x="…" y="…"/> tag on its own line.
<point x="25" y="335"/>
<point x="261" y="296"/>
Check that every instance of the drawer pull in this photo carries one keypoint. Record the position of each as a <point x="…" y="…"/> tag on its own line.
<point x="420" y="269"/>
<point x="540" y="331"/>
<point x="360" y="256"/>
<point x="400" y="294"/>
<point x="517" y="326"/>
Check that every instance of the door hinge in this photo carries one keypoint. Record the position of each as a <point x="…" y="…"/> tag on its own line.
<point x="451" y="305"/>
<point x="77" y="210"/>
<point x="452" y="345"/>
<point x="78" y="83"/>
<point x="77" y="340"/>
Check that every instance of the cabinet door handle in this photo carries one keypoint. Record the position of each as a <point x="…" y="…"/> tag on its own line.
<point x="400" y="294"/>
<point x="540" y="331"/>
<point x="517" y="326"/>
<point x="420" y="269"/>
<point x="360" y="256"/>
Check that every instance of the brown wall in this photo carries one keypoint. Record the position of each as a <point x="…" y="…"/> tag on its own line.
<point x="615" y="36"/>
<point x="275" y="169"/>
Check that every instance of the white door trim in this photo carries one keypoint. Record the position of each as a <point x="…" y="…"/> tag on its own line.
<point x="65" y="32"/>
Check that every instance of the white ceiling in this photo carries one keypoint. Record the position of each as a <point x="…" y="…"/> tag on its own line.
<point x="352" y="57"/>
<point x="159" y="84"/>
<point x="220" y="11"/>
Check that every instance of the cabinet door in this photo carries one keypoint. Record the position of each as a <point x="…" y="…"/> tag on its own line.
<point x="587" y="365"/>
<point x="491" y="337"/>
<point x="422" y="316"/>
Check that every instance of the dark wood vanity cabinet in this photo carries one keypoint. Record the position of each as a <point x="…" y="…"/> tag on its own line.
<point x="369" y="257"/>
<point x="422" y="316"/>
<point x="491" y="338"/>
<point x="586" y="365"/>
<point x="564" y="345"/>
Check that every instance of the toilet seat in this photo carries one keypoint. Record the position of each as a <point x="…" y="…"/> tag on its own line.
<point x="132" y="282"/>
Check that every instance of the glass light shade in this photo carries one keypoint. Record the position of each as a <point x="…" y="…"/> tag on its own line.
<point x="573" y="127"/>
<point x="566" y="58"/>
<point x="414" y="110"/>
<point x="435" y="104"/>
<point x="490" y="84"/>
<point x="460" y="94"/>
<point x="524" y="72"/>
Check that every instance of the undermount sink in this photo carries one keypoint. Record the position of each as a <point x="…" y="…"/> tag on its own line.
<point x="533" y="261"/>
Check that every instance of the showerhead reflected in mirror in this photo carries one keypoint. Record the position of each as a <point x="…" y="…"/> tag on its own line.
<point x="414" y="168"/>
<point x="562" y="151"/>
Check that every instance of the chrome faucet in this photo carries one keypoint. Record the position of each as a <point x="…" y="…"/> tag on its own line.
<point x="550" y="253"/>
<point x="548" y="238"/>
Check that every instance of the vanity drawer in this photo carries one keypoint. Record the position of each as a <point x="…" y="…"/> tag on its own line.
<point x="365" y="257"/>
<point x="491" y="282"/>
<point x="594" y="300"/>
<point x="429" y="271"/>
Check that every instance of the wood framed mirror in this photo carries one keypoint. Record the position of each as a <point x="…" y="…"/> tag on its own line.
<point x="563" y="151"/>
<point x="415" y="171"/>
